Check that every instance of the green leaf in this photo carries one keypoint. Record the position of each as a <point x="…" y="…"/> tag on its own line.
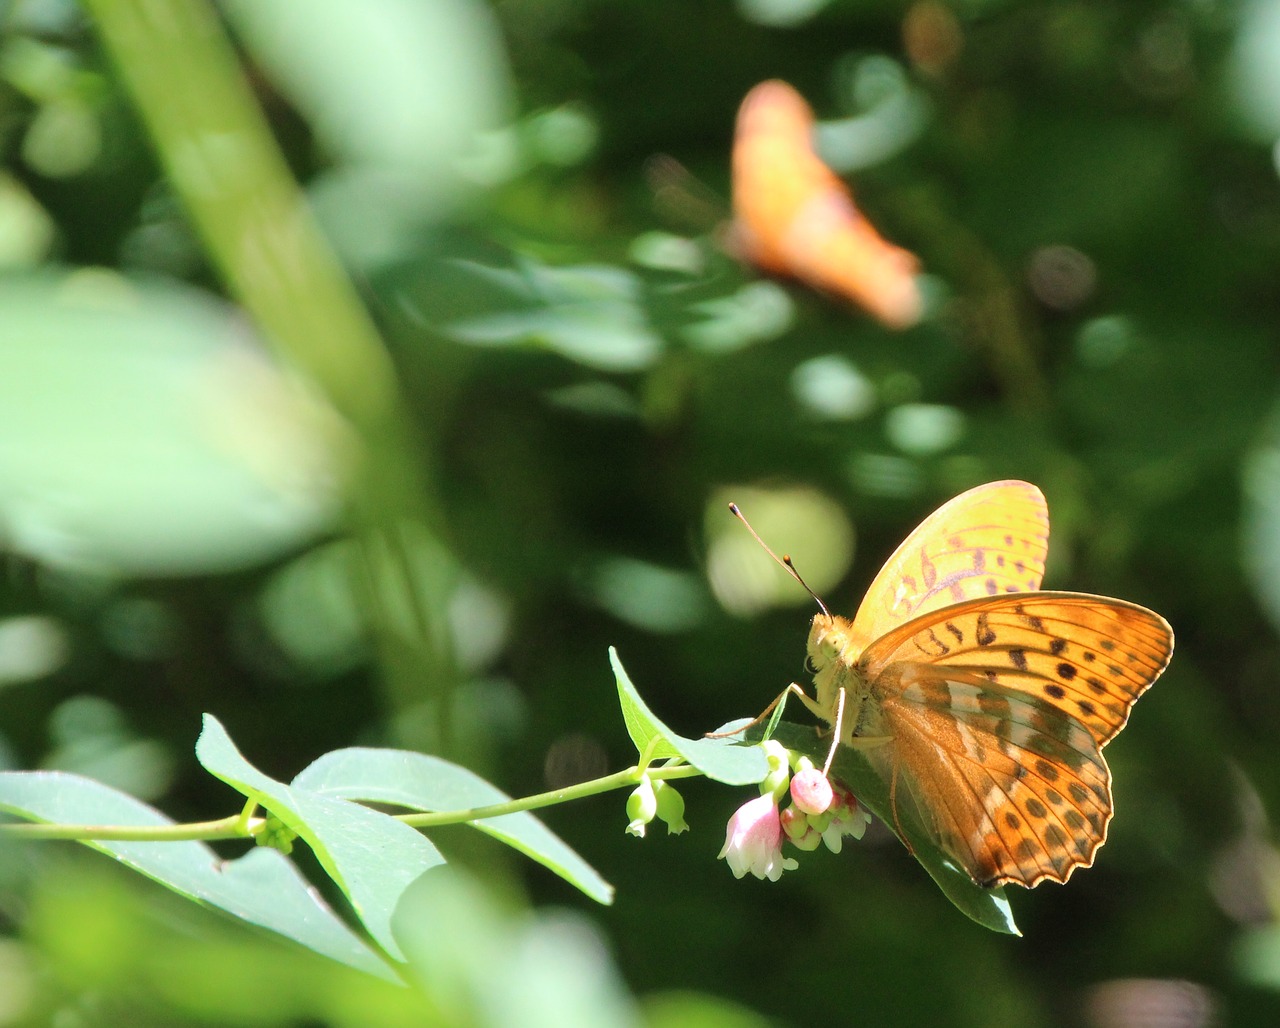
<point x="371" y="856"/>
<point x="591" y="314"/>
<point x="989" y="907"/>
<point x="497" y="966"/>
<point x="426" y="783"/>
<point x="154" y="441"/>
<point x="262" y="887"/>
<point x="724" y="760"/>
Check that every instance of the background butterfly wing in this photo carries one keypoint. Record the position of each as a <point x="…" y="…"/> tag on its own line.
<point x="999" y="709"/>
<point x="989" y="541"/>
<point x="793" y="215"/>
<point x="775" y="173"/>
<point x="832" y="247"/>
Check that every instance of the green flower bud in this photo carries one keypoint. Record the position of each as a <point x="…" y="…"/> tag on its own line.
<point x="798" y="830"/>
<point x="642" y="804"/>
<point x="276" y="835"/>
<point x="670" y="808"/>
<point x="779" y="776"/>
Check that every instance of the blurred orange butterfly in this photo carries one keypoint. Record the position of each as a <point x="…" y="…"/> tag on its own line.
<point x="989" y="700"/>
<point x="793" y="216"/>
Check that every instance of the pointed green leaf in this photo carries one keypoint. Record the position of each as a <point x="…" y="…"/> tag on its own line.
<point x="371" y="856"/>
<point x="725" y="760"/>
<point x="262" y="887"/>
<point x="421" y="782"/>
<point x="989" y="907"/>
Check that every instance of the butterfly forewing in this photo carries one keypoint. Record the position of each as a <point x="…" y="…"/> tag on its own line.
<point x="998" y="710"/>
<point x="987" y="542"/>
<point x="1090" y="656"/>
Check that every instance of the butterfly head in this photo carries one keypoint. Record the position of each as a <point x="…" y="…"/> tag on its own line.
<point x="832" y="641"/>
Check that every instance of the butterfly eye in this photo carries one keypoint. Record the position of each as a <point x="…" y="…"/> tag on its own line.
<point x="810" y="665"/>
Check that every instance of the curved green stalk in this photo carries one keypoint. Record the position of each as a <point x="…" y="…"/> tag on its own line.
<point x="242" y="826"/>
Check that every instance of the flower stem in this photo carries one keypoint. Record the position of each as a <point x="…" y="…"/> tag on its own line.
<point x="233" y="827"/>
<point x="242" y="826"/>
<point x="618" y="780"/>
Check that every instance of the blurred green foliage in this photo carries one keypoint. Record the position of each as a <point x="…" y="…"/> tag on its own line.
<point x="529" y="197"/>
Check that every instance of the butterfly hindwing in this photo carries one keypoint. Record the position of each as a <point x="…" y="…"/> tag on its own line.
<point x="1013" y="787"/>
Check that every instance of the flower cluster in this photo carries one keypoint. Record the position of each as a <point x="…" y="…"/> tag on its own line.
<point x="820" y="812"/>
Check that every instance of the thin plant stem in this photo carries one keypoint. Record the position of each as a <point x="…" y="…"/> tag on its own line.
<point x="238" y="826"/>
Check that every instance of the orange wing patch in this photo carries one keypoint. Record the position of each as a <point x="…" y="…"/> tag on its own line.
<point x="794" y="217"/>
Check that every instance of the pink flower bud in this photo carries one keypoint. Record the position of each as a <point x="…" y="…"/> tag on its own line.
<point x="810" y="791"/>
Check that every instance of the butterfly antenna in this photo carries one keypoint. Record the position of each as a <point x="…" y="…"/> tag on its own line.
<point x="784" y="560"/>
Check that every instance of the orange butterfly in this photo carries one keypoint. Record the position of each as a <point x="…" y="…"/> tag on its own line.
<point x="794" y="217"/>
<point x="989" y="700"/>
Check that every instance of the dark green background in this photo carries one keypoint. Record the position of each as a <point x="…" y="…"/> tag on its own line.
<point x="580" y="486"/>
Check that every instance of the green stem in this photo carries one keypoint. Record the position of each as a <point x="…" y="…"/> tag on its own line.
<point x="238" y="826"/>
<point x="233" y="827"/>
<point x="218" y="153"/>
<point x="618" y="780"/>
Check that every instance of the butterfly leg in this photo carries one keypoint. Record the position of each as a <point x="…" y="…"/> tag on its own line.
<point x="792" y="688"/>
<point x="836" y="727"/>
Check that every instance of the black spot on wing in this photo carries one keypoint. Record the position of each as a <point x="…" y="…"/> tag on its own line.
<point x="1046" y="771"/>
<point x="984" y="633"/>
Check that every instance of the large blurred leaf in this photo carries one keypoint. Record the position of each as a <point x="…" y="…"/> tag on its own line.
<point x="372" y="857"/>
<point x="143" y="432"/>
<point x="401" y="93"/>
<point x="1254" y="72"/>
<point x="487" y="966"/>
<point x="422" y="782"/>
<point x="262" y="887"/>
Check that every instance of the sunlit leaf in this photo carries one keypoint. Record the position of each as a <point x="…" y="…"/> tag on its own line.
<point x="262" y="887"/>
<point x="371" y="856"/>
<point x="725" y="760"/>
<point x="589" y="314"/>
<point x="421" y="782"/>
